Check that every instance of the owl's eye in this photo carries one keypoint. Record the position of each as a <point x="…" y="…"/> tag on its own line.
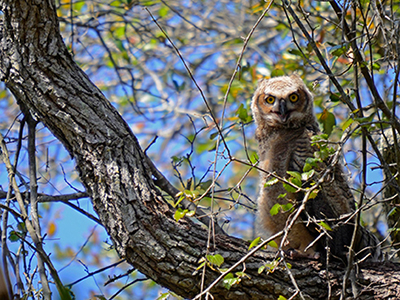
<point x="270" y="99"/>
<point x="293" y="98"/>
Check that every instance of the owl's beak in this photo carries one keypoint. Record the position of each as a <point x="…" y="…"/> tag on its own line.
<point x="283" y="112"/>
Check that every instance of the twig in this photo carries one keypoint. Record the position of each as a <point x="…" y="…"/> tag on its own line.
<point x="64" y="294"/>
<point x="191" y="77"/>
<point x="95" y="272"/>
<point x="242" y="260"/>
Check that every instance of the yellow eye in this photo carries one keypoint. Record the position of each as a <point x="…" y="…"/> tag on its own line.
<point x="293" y="98"/>
<point x="270" y="99"/>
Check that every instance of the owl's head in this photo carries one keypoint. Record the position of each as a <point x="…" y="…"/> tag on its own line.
<point x="283" y="102"/>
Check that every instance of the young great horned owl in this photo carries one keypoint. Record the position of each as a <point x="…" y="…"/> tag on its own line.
<point x="283" y="111"/>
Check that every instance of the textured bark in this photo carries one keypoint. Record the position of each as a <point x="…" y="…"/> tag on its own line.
<point x="38" y="70"/>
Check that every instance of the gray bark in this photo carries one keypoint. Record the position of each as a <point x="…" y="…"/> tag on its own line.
<point x="37" y="68"/>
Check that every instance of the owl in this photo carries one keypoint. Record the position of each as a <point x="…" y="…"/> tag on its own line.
<point x="283" y="110"/>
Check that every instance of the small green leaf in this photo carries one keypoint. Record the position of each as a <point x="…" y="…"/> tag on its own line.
<point x="255" y="242"/>
<point x="287" y="207"/>
<point x="163" y="11"/>
<point x="307" y="175"/>
<point x="328" y="121"/>
<point x="338" y="50"/>
<point x="229" y="281"/>
<point x="376" y="66"/>
<point x="273" y="244"/>
<point x="181" y="197"/>
<point x="307" y="167"/>
<point x="334" y="97"/>
<point x="163" y="296"/>
<point x="281" y="298"/>
<point x="240" y="274"/>
<point x="277" y="72"/>
<point x="180" y="213"/>
<point x="296" y="181"/>
<point x="294" y="174"/>
<point x="203" y="262"/>
<point x="319" y="137"/>
<point x="313" y="194"/>
<point x="310" y="163"/>
<point x="213" y="135"/>
<point x="282" y="195"/>
<point x="271" y="182"/>
<point x="275" y="209"/>
<point x="216" y="259"/>
<point x="347" y="124"/>
<point x="289" y="188"/>
<point x="13" y="236"/>
<point x="261" y="269"/>
<point x="243" y="114"/>
<point x="326" y="226"/>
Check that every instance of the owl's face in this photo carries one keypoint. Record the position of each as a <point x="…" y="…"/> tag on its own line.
<point x="283" y="102"/>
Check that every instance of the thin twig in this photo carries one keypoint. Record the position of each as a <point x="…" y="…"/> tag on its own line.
<point x="96" y="272"/>
<point x="239" y="262"/>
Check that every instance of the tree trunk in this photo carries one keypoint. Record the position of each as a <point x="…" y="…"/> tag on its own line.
<point x="37" y="68"/>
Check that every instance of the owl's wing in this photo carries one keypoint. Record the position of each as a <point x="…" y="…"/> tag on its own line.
<point x="334" y="205"/>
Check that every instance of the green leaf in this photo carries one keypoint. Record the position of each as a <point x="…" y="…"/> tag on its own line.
<point x="275" y="209"/>
<point x="181" y="197"/>
<point x="376" y="66"/>
<point x="271" y="182"/>
<point x="243" y="114"/>
<point x="13" y="236"/>
<point x="334" y="97"/>
<point x="255" y="242"/>
<point x="347" y="124"/>
<point x="229" y="281"/>
<point x="277" y="72"/>
<point x="180" y="213"/>
<point x="289" y="188"/>
<point x="307" y="175"/>
<point x="261" y="269"/>
<point x="328" y="121"/>
<point x="241" y="274"/>
<point x="338" y="50"/>
<point x="282" y="196"/>
<point x="294" y="174"/>
<point x="319" y="137"/>
<point x="216" y="259"/>
<point x="296" y="181"/>
<point x="203" y="263"/>
<point x="326" y="226"/>
<point x="310" y="163"/>
<point x="213" y="135"/>
<point x="287" y="207"/>
<point x="163" y="11"/>
<point x="313" y="194"/>
<point x="163" y="296"/>
<point x="281" y="298"/>
<point x="273" y="244"/>
<point x="307" y="167"/>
